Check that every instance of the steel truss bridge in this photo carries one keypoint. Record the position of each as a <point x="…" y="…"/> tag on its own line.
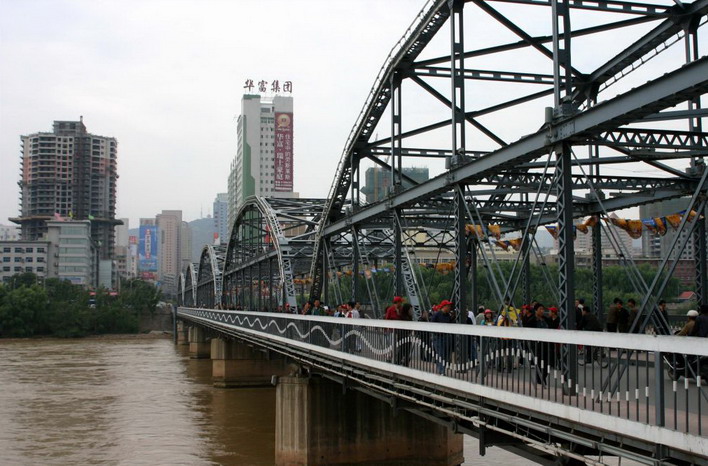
<point x="531" y="119"/>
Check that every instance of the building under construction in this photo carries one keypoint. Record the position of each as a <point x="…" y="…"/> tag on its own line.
<point x="69" y="173"/>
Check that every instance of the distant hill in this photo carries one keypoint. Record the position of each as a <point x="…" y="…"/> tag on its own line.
<point x="203" y="230"/>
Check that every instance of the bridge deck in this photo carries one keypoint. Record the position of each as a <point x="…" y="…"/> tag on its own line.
<point x="503" y="378"/>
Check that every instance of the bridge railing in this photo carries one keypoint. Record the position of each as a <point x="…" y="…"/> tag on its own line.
<point x="645" y="380"/>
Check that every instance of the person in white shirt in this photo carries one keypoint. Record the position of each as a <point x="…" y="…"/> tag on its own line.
<point x="353" y="313"/>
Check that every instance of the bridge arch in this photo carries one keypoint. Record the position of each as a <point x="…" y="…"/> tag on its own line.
<point x="180" y="290"/>
<point x="209" y="274"/>
<point x="189" y="293"/>
<point x="269" y="244"/>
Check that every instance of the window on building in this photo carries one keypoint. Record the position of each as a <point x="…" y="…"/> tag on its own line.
<point x="29" y="259"/>
<point x="40" y="259"/>
<point x="6" y="269"/>
<point x="18" y="259"/>
<point x="19" y="250"/>
<point x="29" y="249"/>
<point x="6" y="259"/>
<point x="40" y="269"/>
<point x="28" y="269"/>
<point x="5" y="249"/>
<point x="40" y="249"/>
<point x="18" y="269"/>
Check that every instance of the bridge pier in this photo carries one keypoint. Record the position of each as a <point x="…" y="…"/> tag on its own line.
<point x="318" y="424"/>
<point x="199" y="347"/>
<point x="236" y="364"/>
<point x="182" y="333"/>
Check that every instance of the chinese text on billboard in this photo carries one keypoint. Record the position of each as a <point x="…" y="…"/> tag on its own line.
<point x="147" y="249"/>
<point x="283" y="152"/>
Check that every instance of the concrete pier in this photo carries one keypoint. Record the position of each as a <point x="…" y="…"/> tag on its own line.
<point x="236" y="364"/>
<point x="199" y="347"/>
<point x="317" y="424"/>
<point x="182" y="333"/>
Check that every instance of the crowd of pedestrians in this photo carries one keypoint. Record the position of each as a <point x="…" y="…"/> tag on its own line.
<point x="438" y="347"/>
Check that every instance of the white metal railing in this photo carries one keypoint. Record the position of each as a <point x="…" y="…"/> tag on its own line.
<point x="644" y="386"/>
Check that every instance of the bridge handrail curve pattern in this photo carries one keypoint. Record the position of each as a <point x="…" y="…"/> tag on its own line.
<point x="508" y="366"/>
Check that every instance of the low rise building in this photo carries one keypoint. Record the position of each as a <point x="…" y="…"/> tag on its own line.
<point x="21" y="257"/>
<point x="65" y="251"/>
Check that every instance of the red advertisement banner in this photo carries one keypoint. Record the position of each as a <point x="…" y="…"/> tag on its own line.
<point x="283" y="172"/>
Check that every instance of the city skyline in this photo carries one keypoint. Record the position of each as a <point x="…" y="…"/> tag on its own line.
<point x="176" y="124"/>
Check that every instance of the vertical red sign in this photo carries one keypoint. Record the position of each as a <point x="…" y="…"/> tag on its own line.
<point x="283" y="152"/>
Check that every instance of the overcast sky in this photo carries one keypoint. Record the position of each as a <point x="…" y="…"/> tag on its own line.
<point x="165" y="78"/>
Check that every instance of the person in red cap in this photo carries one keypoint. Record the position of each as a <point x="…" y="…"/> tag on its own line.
<point x="393" y="312"/>
<point x="552" y="319"/>
<point x="442" y="341"/>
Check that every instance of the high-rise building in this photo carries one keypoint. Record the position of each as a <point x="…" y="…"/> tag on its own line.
<point x="169" y="229"/>
<point x="619" y="244"/>
<point x="377" y="181"/>
<point x="122" y="250"/>
<point x="186" y="245"/>
<point x="263" y="165"/>
<point x="69" y="173"/>
<point x="221" y="217"/>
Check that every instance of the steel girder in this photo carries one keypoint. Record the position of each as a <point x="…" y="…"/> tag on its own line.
<point x="209" y="276"/>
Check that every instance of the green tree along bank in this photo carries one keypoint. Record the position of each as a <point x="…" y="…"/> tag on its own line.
<point x="58" y="308"/>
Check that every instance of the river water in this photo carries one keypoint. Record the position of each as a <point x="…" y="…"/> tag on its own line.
<point x="133" y="401"/>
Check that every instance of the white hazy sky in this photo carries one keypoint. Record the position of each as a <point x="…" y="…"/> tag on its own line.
<point x="165" y="78"/>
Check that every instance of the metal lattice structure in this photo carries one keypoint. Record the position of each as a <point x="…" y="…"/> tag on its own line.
<point x="577" y="121"/>
<point x="269" y="245"/>
<point x="588" y="130"/>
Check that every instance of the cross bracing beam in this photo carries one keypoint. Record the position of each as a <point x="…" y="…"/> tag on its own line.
<point x="668" y="28"/>
<point x="653" y="138"/>
<point x="636" y="8"/>
<point x="419" y="152"/>
<point x="525" y="36"/>
<point x="486" y="75"/>
<point x="458" y="112"/>
<point x="471" y="114"/>
<point x="540" y="40"/>
<point x="678" y="115"/>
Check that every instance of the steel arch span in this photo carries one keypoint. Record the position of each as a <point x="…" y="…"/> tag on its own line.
<point x="270" y="243"/>
<point x="556" y="120"/>
<point x="190" y="285"/>
<point x="209" y="276"/>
